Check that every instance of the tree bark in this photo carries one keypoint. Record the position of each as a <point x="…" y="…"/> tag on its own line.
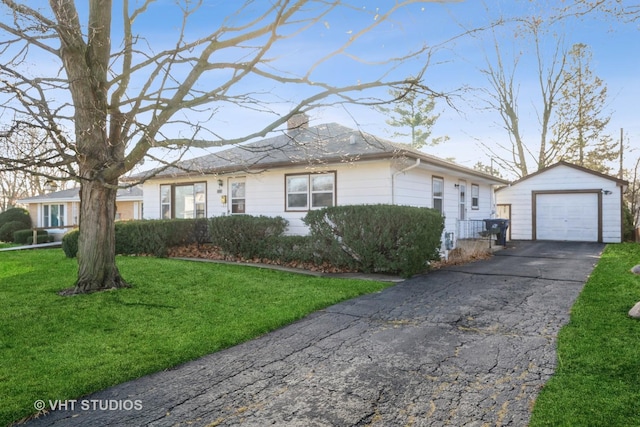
<point x="86" y="63"/>
<point x="97" y="270"/>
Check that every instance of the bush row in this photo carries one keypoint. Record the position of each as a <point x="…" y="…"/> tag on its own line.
<point x="369" y="238"/>
<point x="41" y="238"/>
<point x="25" y="236"/>
<point x="149" y="237"/>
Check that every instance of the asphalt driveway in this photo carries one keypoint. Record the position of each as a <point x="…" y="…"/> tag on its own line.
<point x="469" y="345"/>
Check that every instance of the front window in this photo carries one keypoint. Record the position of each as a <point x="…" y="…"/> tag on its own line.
<point x="438" y="194"/>
<point x="183" y="200"/>
<point x="238" y="199"/>
<point x="475" y="196"/>
<point x="310" y="191"/>
<point x="53" y="215"/>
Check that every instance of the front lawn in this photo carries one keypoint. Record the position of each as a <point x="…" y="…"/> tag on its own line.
<point x="54" y="347"/>
<point x="597" y="381"/>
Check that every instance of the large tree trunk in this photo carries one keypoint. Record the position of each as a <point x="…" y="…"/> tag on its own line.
<point x="97" y="268"/>
<point x="86" y="56"/>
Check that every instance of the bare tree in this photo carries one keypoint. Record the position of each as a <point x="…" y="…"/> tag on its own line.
<point x="18" y="182"/>
<point x="621" y="10"/>
<point x="121" y="104"/>
<point x="522" y="157"/>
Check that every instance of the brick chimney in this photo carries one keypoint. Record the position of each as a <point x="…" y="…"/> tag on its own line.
<point x="296" y="123"/>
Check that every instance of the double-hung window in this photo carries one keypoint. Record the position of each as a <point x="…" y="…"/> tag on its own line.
<point x="238" y="197"/>
<point x="183" y="200"/>
<point x="310" y="191"/>
<point x="475" y="196"/>
<point x="438" y="193"/>
<point x="53" y="215"/>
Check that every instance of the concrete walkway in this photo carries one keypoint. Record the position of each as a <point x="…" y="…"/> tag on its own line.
<point x="27" y="247"/>
<point x="465" y="346"/>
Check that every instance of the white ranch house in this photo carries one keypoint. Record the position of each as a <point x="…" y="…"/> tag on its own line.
<point x="313" y="167"/>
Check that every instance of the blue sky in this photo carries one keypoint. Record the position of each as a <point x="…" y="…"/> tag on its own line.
<point x="615" y="49"/>
<point x="614" y="46"/>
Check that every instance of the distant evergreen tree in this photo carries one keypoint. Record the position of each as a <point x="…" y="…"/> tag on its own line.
<point x="578" y="133"/>
<point x="413" y="112"/>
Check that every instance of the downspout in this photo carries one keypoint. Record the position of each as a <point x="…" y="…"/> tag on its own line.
<point x="393" y="179"/>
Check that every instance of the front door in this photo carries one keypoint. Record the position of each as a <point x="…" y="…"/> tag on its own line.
<point x="462" y="200"/>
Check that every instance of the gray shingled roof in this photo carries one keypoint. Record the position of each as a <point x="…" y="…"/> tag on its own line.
<point x="315" y="145"/>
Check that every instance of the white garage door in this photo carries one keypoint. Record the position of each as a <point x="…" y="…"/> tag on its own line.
<point x="567" y="216"/>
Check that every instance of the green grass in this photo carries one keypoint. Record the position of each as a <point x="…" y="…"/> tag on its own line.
<point x="597" y="382"/>
<point x="54" y="347"/>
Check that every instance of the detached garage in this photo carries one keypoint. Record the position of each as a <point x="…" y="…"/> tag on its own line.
<point x="564" y="202"/>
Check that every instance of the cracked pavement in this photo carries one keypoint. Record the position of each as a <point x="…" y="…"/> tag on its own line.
<point x="468" y="345"/>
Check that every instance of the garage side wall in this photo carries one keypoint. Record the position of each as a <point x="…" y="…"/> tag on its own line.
<point x="562" y="180"/>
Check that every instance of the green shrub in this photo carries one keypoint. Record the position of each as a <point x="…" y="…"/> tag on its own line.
<point x="16" y="214"/>
<point x="42" y="238"/>
<point x="148" y="237"/>
<point x="70" y="243"/>
<point x="378" y="238"/>
<point x="291" y="248"/>
<point x="22" y="236"/>
<point x="201" y="231"/>
<point x="7" y="230"/>
<point x="245" y="235"/>
<point x="153" y="237"/>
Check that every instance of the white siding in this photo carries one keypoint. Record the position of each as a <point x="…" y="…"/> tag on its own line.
<point x="373" y="182"/>
<point x="415" y="189"/>
<point x="561" y="178"/>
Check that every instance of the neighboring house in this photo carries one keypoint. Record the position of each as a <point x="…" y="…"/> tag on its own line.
<point x="314" y="167"/>
<point x="564" y="202"/>
<point x="61" y="208"/>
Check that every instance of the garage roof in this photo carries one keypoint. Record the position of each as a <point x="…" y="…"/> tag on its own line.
<point x="618" y="181"/>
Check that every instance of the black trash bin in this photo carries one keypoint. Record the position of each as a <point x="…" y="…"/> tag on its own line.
<point x="498" y="226"/>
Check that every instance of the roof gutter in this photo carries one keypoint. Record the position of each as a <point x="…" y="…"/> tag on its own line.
<point x="393" y="179"/>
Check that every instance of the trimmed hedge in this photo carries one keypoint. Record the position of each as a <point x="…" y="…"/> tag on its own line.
<point x="153" y="237"/>
<point x="247" y="236"/>
<point x="369" y="238"/>
<point x="148" y="237"/>
<point x="378" y="238"/>
<point x="292" y="249"/>
<point x="42" y="238"/>
<point x="22" y="236"/>
<point x="16" y="214"/>
<point x="9" y="228"/>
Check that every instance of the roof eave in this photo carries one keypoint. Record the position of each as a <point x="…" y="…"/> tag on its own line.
<point x="231" y="169"/>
